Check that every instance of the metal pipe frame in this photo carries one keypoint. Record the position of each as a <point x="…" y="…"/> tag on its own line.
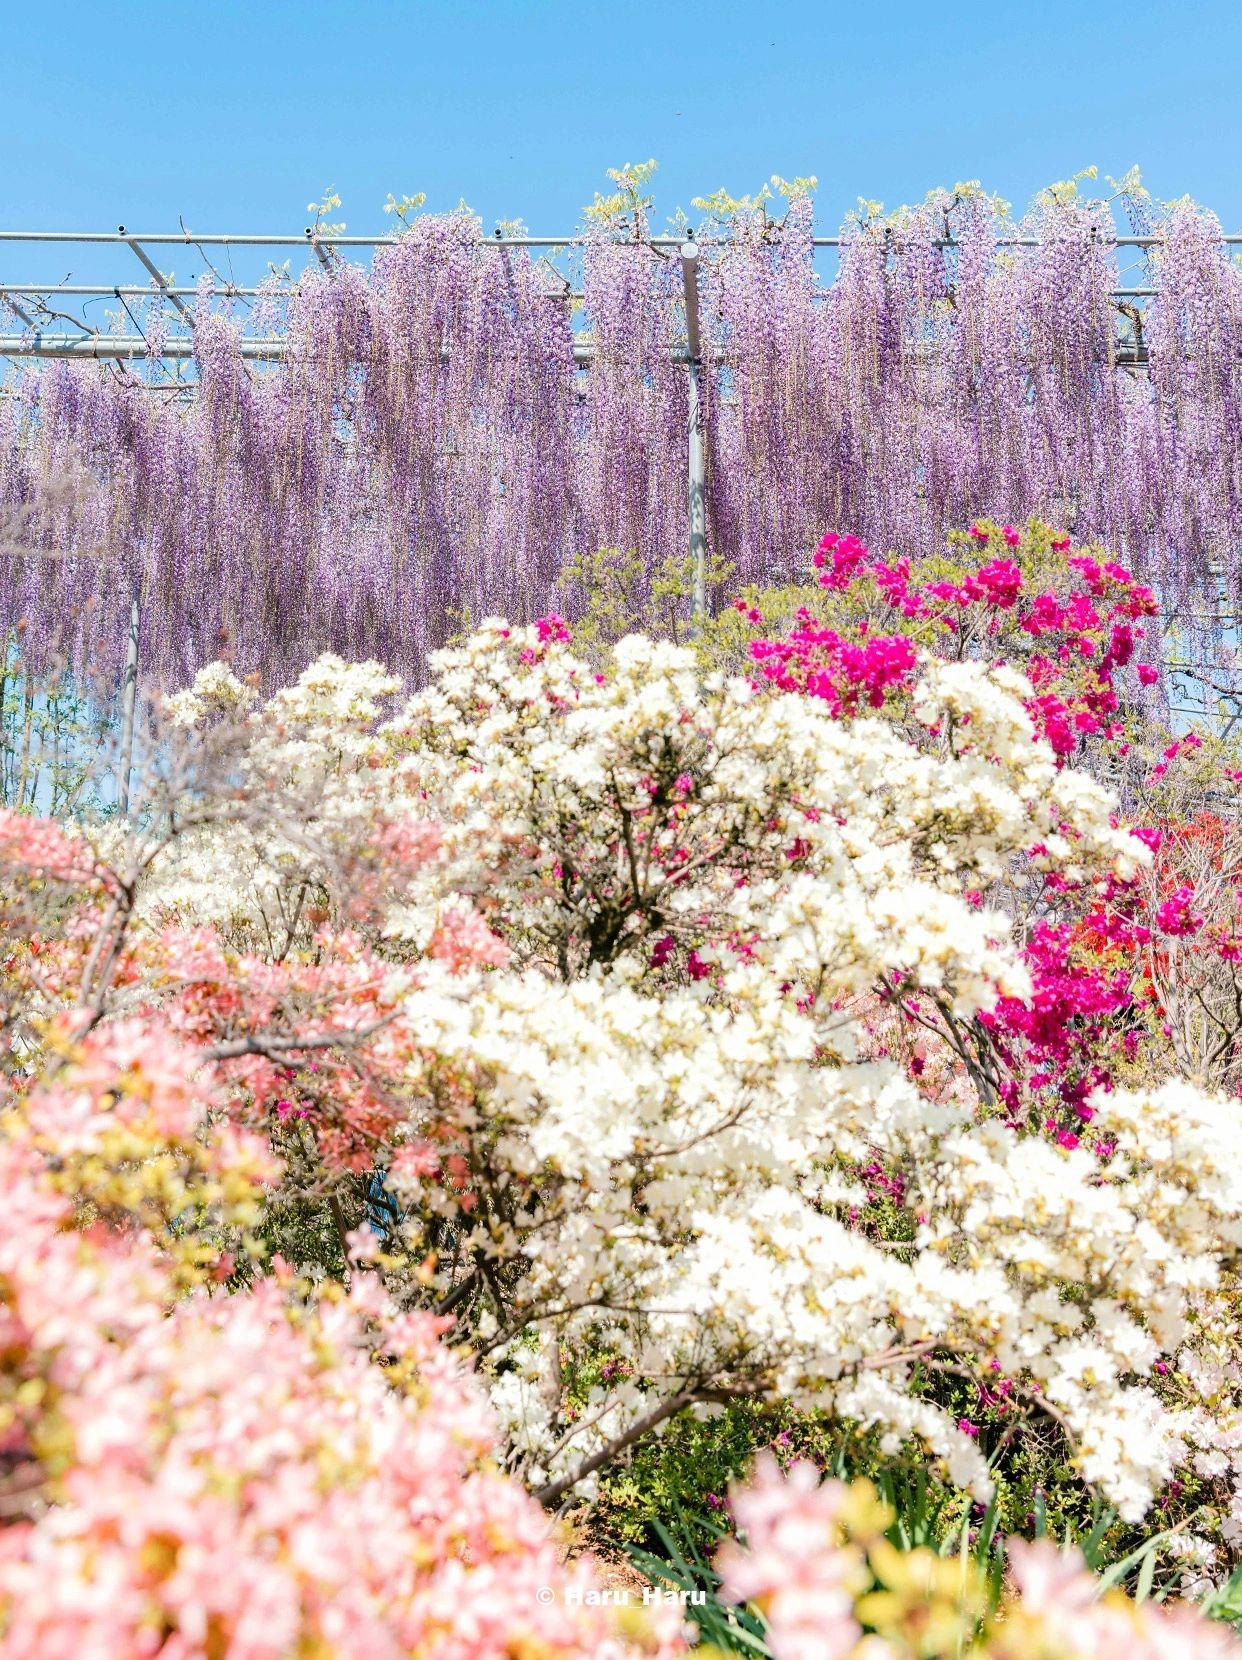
<point x="127" y="290"/>
<point x="233" y="291"/>
<point x="220" y="240"/>
<point x="129" y="697"/>
<point x="116" y="346"/>
<point x="158" y="277"/>
<point x="325" y="250"/>
<point x="273" y="348"/>
<point x="696" y="453"/>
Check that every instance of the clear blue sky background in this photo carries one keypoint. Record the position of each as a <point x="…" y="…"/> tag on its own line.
<point x="234" y="113"/>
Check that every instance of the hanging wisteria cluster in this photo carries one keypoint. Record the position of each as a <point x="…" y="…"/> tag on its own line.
<point x="450" y="428"/>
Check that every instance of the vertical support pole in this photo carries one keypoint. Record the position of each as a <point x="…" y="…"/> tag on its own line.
<point x="129" y="697"/>
<point x="696" y="455"/>
<point x="697" y="485"/>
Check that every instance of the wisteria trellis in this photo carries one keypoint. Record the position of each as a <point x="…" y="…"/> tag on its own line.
<point x="428" y="452"/>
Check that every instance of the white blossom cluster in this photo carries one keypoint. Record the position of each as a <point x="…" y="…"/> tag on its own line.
<point x="660" y="1100"/>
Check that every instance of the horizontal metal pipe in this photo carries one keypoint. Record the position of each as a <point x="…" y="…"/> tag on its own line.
<point x="113" y="346"/>
<point x="167" y="237"/>
<point x="233" y="291"/>
<point x="224" y="291"/>
<point x="172" y="238"/>
<point x="274" y="348"/>
<point x="128" y="291"/>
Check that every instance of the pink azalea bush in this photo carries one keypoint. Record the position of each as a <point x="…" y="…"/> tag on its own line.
<point x="206" y="1475"/>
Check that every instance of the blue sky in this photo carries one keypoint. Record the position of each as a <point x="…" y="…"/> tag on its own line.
<point x="234" y="113"/>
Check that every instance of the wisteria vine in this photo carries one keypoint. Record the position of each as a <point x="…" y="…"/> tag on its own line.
<point x="429" y="451"/>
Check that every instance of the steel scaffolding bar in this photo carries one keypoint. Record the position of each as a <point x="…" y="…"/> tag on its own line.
<point x="242" y="240"/>
<point x="322" y="254"/>
<point x="157" y="276"/>
<point x="111" y="346"/>
<point x="236" y="291"/>
<point x="696" y="453"/>
<point x="23" y="298"/>
<point x="129" y="291"/>
<point x="129" y="697"/>
<point x="274" y="348"/>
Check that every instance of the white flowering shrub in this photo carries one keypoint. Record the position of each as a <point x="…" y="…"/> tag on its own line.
<point x="631" y="1120"/>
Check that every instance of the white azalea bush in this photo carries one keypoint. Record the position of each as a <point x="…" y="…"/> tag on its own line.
<point x="631" y="1120"/>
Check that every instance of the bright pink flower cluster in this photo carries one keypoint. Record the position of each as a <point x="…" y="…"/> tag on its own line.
<point x="552" y="627"/>
<point x="1052" y="1039"/>
<point x="1097" y="624"/>
<point x="998" y="583"/>
<point x="846" y="674"/>
<point x="1175" y="916"/>
<point x="845" y="558"/>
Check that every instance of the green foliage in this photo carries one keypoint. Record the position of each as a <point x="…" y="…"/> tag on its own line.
<point x="794" y="189"/>
<point x="686" y="1471"/>
<point x="610" y="594"/>
<point x="719" y="205"/>
<point x="871" y="213"/>
<point x="303" y="1231"/>
<point x="320" y="227"/>
<point x="1225" y="1602"/>
<point x="627" y="207"/>
<point x="1064" y="193"/>
<point x="1130" y="185"/>
<point x="723" y="208"/>
<point x="405" y="207"/>
<point x="683" y="1563"/>
<point x="304" y="1219"/>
